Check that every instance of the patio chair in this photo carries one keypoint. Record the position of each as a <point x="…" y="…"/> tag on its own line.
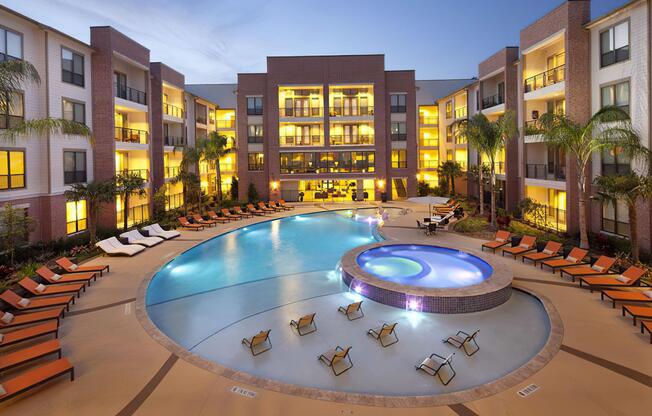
<point x="462" y="340"/>
<point x="501" y="239"/>
<point x="574" y="258"/>
<point x="352" y="309"/>
<point x="305" y="325"/>
<point x="385" y="331"/>
<point x="601" y="266"/>
<point x="626" y="296"/>
<point x="264" y="208"/>
<point x="31" y="353"/>
<point x="242" y="213"/>
<point x="227" y="214"/>
<point x="36" y="377"/>
<point x="284" y="205"/>
<point x="278" y="205"/>
<point x="527" y="244"/>
<point x="200" y="220"/>
<point x="254" y="211"/>
<point x="335" y="356"/>
<point x="647" y="326"/>
<point x="54" y="278"/>
<point x="628" y="278"/>
<point x="550" y="251"/>
<point x="134" y="237"/>
<point x="39" y="289"/>
<point x="275" y="207"/>
<point x="70" y="267"/>
<point x="261" y="339"/>
<point x="8" y="319"/>
<point x="26" y="334"/>
<point x="155" y="230"/>
<point x="641" y="312"/>
<point x="433" y="365"/>
<point x="421" y="226"/>
<point x="187" y="224"/>
<point x="24" y="304"/>
<point x="113" y="247"/>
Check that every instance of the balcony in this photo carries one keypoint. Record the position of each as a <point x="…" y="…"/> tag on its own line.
<point x="351" y="111"/>
<point x="143" y="173"/>
<point x="548" y="217"/>
<point x="172" y="110"/>
<point x="460" y="139"/>
<point x="130" y="94"/>
<point x="347" y="140"/>
<point x="173" y="201"/>
<point x="301" y="112"/>
<point x="136" y="215"/>
<point x="460" y="113"/>
<point x="545" y="79"/>
<point x="532" y="128"/>
<point x="306" y="140"/>
<point x="226" y="124"/>
<point x="492" y="101"/>
<point x="549" y="172"/>
<point x="9" y="121"/>
<point x="127" y="135"/>
<point x="428" y="121"/>
<point x="175" y="141"/>
<point x="428" y="163"/>
<point x="429" y="142"/>
<point x="172" y="171"/>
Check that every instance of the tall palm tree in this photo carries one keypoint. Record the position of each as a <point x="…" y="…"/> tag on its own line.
<point x="129" y="184"/>
<point x="608" y="129"/>
<point x="450" y="170"/>
<point x="489" y="138"/>
<point x="95" y="194"/>
<point x="189" y="163"/>
<point x="212" y="150"/>
<point x="189" y="182"/>
<point x="629" y="188"/>
<point x="14" y="75"/>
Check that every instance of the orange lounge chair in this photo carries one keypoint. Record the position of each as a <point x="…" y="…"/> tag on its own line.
<point x="8" y="319"/>
<point x="35" y="377"/>
<point x="637" y="312"/>
<point x="231" y="216"/>
<point x="551" y="250"/>
<point x="284" y="205"/>
<point x="626" y="296"/>
<point x="275" y="207"/>
<point x="527" y="243"/>
<point x="601" y="266"/>
<point x="39" y="289"/>
<point x="213" y="216"/>
<point x="629" y="277"/>
<point x="53" y="278"/>
<point x="276" y="204"/>
<point x="647" y="325"/>
<point x="501" y="239"/>
<point x="200" y="220"/>
<point x="31" y="353"/>
<point x="25" y="334"/>
<point x="24" y="304"/>
<point x="240" y="212"/>
<point x="187" y="224"/>
<point x="71" y="267"/>
<point x="574" y="258"/>
<point x="254" y="211"/>
<point x="262" y="207"/>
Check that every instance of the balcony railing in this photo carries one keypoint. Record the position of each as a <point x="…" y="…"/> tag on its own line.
<point x="428" y="121"/>
<point x="300" y="112"/>
<point x="173" y="110"/>
<point x="499" y="167"/>
<point x="494" y="100"/>
<point x="548" y="217"/>
<point x="398" y="137"/>
<point x="544" y="79"/>
<point x="429" y="143"/>
<point x="172" y="171"/>
<point x="351" y="111"/>
<point x="130" y="94"/>
<point x="616" y="169"/>
<point x="173" y="201"/>
<point x="127" y="135"/>
<point x="175" y="141"/>
<point x="398" y="109"/>
<point x="548" y="172"/>
<point x="460" y="139"/>
<point x="532" y="128"/>
<point x="143" y="173"/>
<point x="136" y="215"/>
<point x="339" y="140"/>
<point x="255" y="139"/>
<point x="9" y="121"/>
<point x="460" y="112"/>
<point x="310" y="140"/>
<point x="428" y="163"/>
<point x="225" y="124"/>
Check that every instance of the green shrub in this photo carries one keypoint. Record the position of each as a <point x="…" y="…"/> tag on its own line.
<point x="470" y="225"/>
<point x="519" y="228"/>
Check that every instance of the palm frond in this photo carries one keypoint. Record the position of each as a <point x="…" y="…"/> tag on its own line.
<point x="41" y="127"/>
<point x="14" y="74"/>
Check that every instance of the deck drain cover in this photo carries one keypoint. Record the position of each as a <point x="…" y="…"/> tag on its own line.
<point x="528" y="390"/>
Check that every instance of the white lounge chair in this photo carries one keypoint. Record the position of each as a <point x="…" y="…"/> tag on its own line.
<point x="134" y="237"/>
<point x="155" y="230"/>
<point x="112" y="246"/>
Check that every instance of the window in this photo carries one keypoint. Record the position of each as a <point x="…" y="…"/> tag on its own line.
<point x="12" y="169"/>
<point x="449" y="155"/>
<point x="399" y="159"/>
<point x="74" y="167"/>
<point x="616" y="95"/>
<point x="615" y="162"/>
<point x="614" y="44"/>
<point x="398" y="103"/>
<point x="254" y="106"/>
<point x="13" y="113"/>
<point x="449" y="134"/>
<point x="449" y="109"/>
<point x="477" y="100"/>
<point x="11" y="45"/>
<point x="324" y="162"/>
<point x="75" y="216"/>
<point x="615" y="218"/>
<point x="398" y="131"/>
<point x="201" y="113"/>
<point x="72" y="67"/>
<point x="255" y="134"/>
<point x="74" y="111"/>
<point x="256" y="161"/>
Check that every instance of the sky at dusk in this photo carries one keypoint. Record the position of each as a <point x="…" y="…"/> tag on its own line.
<point x="210" y="41"/>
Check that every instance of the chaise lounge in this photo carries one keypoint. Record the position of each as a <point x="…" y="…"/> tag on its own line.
<point x="200" y="220"/>
<point x="630" y="277"/>
<point x="134" y="237"/>
<point x="242" y="213"/>
<point x="25" y="304"/>
<point x="385" y="331"/>
<point x="337" y="355"/>
<point x="39" y="289"/>
<point x="187" y="224"/>
<point x="254" y="211"/>
<point x="574" y="258"/>
<point x="352" y="309"/>
<point x="305" y="325"/>
<point x="8" y="319"/>
<point x="638" y="312"/>
<point x="433" y="365"/>
<point x="70" y="267"/>
<point x="260" y="339"/>
<point x="35" y="377"/>
<point x="155" y="230"/>
<point x="26" y="334"/>
<point x="527" y="243"/>
<point x="550" y="251"/>
<point x="113" y="247"/>
<point x="54" y="278"/>
<point x="282" y="203"/>
<point x="626" y="296"/>
<point x="262" y="207"/>
<point x="31" y="353"/>
<point x="601" y="266"/>
<point x="462" y="339"/>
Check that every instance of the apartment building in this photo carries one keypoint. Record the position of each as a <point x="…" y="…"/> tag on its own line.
<point x="36" y="171"/>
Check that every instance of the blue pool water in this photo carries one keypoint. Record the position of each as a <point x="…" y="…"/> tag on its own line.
<point x="425" y="266"/>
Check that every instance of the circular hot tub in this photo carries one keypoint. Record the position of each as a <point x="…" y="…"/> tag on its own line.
<point x="426" y="278"/>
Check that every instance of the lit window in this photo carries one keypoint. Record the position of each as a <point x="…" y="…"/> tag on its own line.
<point x="75" y="216"/>
<point x="449" y="109"/>
<point x="256" y="161"/>
<point x="72" y="67"/>
<point x="399" y="159"/>
<point x="255" y="134"/>
<point x="12" y="169"/>
<point x="614" y="44"/>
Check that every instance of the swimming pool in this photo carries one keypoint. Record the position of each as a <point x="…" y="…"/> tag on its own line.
<point x="424" y="266"/>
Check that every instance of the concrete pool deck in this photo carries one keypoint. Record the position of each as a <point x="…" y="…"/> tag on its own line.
<point x="603" y="367"/>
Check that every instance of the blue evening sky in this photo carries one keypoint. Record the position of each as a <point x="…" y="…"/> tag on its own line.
<point x="212" y="40"/>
